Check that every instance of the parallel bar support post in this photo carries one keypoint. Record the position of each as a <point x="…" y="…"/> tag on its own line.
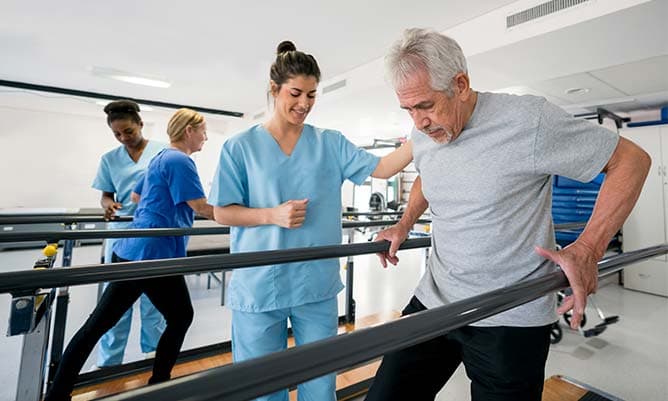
<point x="60" y="320"/>
<point x="350" y="274"/>
<point x="33" y="361"/>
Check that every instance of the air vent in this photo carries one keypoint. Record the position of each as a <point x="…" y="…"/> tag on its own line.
<point x="541" y="10"/>
<point x="258" y="115"/>
<point x="334" y="86"/>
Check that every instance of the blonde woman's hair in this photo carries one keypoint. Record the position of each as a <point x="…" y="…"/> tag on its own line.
<point x="176" y="128"/>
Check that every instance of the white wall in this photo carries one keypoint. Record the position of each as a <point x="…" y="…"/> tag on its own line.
<point x="49" y="153"/>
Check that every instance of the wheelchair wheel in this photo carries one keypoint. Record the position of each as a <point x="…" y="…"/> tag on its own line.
<point x="568" y="315"/>
<point x="556" y="333"/>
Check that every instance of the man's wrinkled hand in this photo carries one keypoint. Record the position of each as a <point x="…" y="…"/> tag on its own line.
<point x="580" y="265"/>
<point x="396" y="234"/>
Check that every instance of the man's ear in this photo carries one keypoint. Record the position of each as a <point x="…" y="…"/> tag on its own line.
<point x="463" y="86"/>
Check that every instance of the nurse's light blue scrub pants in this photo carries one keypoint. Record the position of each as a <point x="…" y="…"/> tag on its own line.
<point x="112" y="344"/>
<point x="255" y="334"/>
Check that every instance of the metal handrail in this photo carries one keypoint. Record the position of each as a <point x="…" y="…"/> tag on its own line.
<point x="27" y="281"/>
<point x="55" y="236"/>
<point x="60" y="219"/>
<point x="74" y="218"/>
<point x="250" y="379"/>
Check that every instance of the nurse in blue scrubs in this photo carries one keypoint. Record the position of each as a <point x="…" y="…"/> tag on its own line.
<point x="279" y="186"/>
<point x="170" y="195"/>
<point x="119" y="171"/>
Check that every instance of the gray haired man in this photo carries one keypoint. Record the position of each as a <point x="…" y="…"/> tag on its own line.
<point x="486" y="163"/>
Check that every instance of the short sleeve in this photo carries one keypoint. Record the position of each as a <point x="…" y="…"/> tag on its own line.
<point x="103" y="181"/>
<point x="182" y="178"/>
<point x="571" y="147"/>
<point x="356" y="163"/>
<point x="230" y="183"/>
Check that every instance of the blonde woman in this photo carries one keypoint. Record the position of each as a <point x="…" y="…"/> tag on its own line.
<point x="170" y="195"/>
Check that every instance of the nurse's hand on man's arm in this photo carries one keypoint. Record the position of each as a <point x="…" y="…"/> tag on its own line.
<point x="290" y="214"/>
<point x="396" y="234"/>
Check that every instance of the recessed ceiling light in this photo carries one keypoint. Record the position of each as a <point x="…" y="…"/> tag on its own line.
<point x="130" y="77"/>
<point x="576" y="91"/>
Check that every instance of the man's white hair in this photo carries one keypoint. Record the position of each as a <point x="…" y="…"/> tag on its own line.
<point x="427" y="49"/>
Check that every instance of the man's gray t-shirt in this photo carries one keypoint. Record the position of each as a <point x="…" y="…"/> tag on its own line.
<point x="490" y="194"/>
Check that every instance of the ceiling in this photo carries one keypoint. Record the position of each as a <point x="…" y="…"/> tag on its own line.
<point x="217" y="54"/>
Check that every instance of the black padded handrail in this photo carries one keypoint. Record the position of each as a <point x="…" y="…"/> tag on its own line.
<point x="250" y="379"/>
<point x="55" y="236"/>
<point x="60" y="219"/>
<point x="27" y="281"/>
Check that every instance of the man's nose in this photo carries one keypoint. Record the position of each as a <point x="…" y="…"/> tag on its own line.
<point x="421" y="122"/>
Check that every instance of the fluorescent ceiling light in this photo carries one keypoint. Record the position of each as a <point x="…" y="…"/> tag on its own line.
<point x="130" y="77"/>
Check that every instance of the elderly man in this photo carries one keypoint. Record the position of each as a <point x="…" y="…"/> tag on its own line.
<point x="485" y="162"/>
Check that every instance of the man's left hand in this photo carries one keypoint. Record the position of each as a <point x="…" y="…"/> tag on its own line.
<point x="579" y="263"/>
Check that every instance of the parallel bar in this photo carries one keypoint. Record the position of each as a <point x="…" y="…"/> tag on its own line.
<point x="55" y="236"/>
<point x="22" y="282"/>
<point x="249" y="379"/>
<point x="96" y="95"/>
<point x="371" y="214"/>
<point x="60" y="219"/>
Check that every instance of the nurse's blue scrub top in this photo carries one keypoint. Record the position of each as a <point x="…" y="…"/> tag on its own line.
<point x="170" y="181"/>
<point x="254" y="172"/>
<point x="119" y="174"/>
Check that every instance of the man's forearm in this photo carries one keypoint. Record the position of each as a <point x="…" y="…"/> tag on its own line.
<point x="625" y="176"/>
<point x="417" y="204"/>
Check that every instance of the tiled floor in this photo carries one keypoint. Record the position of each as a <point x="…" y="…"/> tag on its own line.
<point x="629" y="360"/>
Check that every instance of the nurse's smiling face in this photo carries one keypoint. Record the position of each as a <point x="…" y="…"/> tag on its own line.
<point x="295" y="98"/>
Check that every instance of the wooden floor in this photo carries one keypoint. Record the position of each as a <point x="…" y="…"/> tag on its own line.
<point x="343" y="380"/>
<point x="557" y="389"/>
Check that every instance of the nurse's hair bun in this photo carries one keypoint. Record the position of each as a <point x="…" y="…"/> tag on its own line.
<point x="121" y="106"/>
<point x="285" y="46"/>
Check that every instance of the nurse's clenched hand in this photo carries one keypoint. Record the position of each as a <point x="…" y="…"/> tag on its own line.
<point x="290" y="214"/>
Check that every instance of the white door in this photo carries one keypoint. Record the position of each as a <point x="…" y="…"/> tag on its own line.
<point x="645" y="225"/>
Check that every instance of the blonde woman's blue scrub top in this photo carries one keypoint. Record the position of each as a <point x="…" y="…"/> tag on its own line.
<point x="170" y="181"/>
<point x="254" y="172"/>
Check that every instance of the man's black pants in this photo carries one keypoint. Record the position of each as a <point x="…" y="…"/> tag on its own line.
<point x="503" y="363"/>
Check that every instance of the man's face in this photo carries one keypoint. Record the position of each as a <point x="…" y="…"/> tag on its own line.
<point x="433" y="112"/>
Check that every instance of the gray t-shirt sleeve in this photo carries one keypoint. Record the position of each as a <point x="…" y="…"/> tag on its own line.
<point x="571" y="147"/>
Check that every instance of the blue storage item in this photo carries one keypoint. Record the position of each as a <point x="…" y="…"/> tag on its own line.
<point x="572" y="202"/>
<point x="572" y="191"/>
<point x="563" y="182"/>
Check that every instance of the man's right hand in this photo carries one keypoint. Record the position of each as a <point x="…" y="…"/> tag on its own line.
<point x="396" y="234"/>
<point x="290" y="214"/>
<point x="110" y="210"/>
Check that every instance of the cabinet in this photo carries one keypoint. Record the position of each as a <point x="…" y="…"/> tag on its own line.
<point x="646" y="225"/>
